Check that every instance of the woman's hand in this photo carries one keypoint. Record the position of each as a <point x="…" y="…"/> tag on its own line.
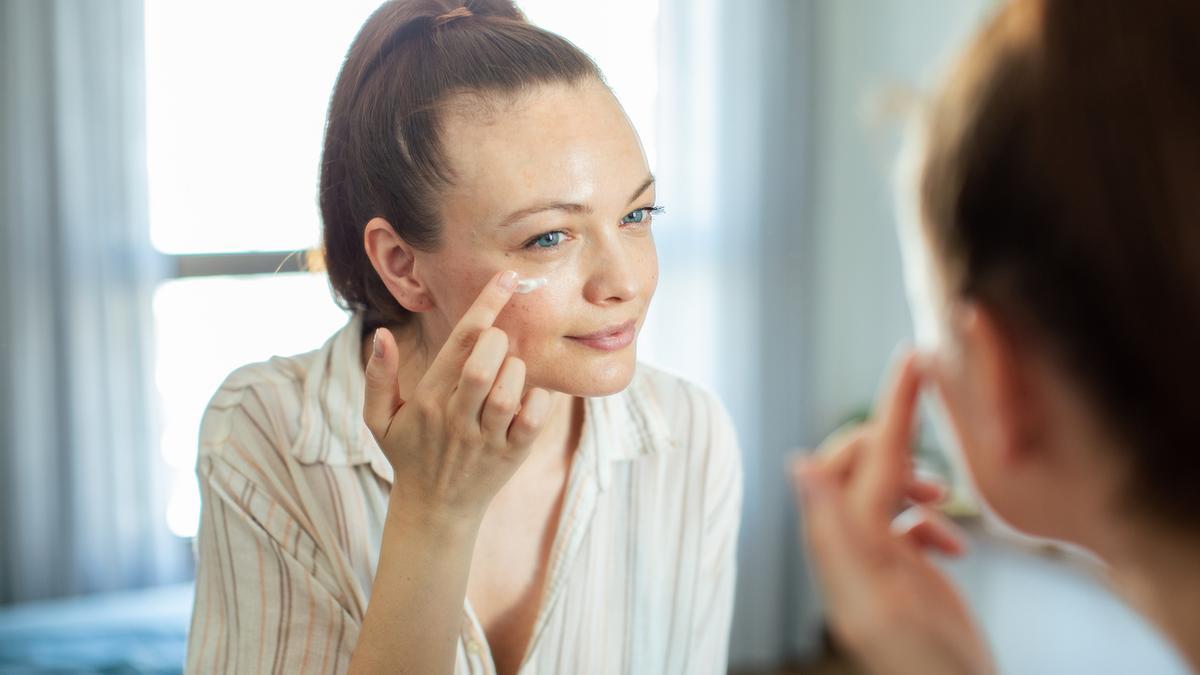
<point x="886" y="601"/>
<point x="469" y="423"/>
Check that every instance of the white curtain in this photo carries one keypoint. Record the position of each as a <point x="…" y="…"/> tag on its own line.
<point x="82" y="486"/>
<point x="733" y="174"/>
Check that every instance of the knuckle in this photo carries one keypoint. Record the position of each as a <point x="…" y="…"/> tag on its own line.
<point x="477" y="377"/>
<point x="503" y="402"/>
<point x="527" y="424"/>
<point x="427" y="408"/>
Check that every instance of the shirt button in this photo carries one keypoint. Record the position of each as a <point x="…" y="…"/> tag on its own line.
<point x="473" y="646"/>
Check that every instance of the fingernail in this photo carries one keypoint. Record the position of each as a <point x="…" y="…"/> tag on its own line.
<point x="508" y="280"/>
<point x="376" y="347"/>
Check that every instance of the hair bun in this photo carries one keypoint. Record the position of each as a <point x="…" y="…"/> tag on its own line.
<point x="446" y="11"/>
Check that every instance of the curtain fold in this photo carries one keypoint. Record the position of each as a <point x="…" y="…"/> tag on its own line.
<point x="84" y="487"/>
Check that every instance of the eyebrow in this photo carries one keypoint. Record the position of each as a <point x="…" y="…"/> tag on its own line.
<point x="569" y="207"/>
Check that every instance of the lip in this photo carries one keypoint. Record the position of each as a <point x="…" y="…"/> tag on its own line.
<point x="609" y="339"/>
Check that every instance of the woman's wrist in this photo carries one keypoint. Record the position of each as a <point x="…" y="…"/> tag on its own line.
<point x="439" y="524"/>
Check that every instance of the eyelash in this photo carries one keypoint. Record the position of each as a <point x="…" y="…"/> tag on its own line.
<point x="650" y="211"/>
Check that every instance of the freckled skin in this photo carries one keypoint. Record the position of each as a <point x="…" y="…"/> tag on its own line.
<point x="559" y="143"/>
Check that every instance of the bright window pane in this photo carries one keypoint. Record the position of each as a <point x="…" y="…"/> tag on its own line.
<point x="237" y="94"/>
<point x="206" y="328"/>
<point x="236" y="97"/>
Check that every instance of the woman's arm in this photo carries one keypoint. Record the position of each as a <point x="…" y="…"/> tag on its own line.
<point x="416" y="608"/>
<point x="267" y="599"/>
<point x="467" y="428"/>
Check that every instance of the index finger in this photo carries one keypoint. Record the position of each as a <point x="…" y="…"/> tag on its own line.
<point x="886" y="464"/>
<point x="478" y="318"/>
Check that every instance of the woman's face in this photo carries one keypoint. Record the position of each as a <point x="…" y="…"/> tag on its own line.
<point x="552" y="183"/>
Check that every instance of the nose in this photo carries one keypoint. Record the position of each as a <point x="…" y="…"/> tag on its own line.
<point x="613" y="270"/>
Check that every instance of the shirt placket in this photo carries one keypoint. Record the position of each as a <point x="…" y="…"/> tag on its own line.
<point x="578" y="507"/>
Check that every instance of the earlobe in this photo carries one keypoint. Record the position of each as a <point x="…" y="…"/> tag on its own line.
<point x="395" y="262"/>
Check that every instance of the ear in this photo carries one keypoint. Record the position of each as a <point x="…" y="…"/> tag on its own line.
<point x="1009" y="407"/>
<point x="395" y="262"/>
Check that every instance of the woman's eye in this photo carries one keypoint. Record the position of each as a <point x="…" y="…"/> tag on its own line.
<point x="641" y="216"/>
<point x="547" y="240"/>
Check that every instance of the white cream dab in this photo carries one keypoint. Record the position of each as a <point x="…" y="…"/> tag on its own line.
<point x="531" y="285"/>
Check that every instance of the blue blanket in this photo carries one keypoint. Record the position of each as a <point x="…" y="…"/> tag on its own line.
<point x="131" y="632"/>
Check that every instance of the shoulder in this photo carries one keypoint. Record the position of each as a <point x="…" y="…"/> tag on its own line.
<point x="684" y="405"/>
<point x="259" y="403"/>
<point x="696" y="420"/>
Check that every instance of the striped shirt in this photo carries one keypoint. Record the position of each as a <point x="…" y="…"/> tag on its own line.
<point x="295" y="492"/>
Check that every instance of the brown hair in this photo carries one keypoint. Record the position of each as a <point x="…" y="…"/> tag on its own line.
<point x="383" y="156"/>
<point x="1061" y="187"/>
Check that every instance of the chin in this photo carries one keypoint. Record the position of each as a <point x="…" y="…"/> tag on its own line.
<point x="591" y="376"/>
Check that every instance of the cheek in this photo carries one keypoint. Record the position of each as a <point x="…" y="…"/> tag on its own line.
<point x="531" y="320"/>
<point x="962" y="433"/>
<point x="454" y="282"/>
<point x="651" y="270"/>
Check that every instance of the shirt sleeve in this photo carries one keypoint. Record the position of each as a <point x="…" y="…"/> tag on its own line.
<point x="266" y="600"/>
<point x="722" y="517"/>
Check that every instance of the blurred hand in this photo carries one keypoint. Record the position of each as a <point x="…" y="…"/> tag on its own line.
<point x="470" y="422"/>
<point x="886" y="601"/>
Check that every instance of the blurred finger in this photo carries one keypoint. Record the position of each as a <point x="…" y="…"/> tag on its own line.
<point x="926" y="490"/>
<point x="840" y="452"/>
<point x="831" y="540"/>
<point x="925" y="529"/>
<point x="887" y="462"/>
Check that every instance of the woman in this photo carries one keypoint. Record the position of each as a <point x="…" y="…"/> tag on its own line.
<point x="1058" y="211"/>
<point x="464" y="479"/>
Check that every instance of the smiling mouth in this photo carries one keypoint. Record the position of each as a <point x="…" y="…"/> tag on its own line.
<point x="610" y="338"/>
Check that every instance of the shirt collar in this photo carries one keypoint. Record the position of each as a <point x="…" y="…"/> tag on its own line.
<point x="624" y="426"/>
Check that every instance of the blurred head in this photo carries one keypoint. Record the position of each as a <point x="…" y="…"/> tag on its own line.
<point x="1060" y="211"/>
<point x="462" y="143"/>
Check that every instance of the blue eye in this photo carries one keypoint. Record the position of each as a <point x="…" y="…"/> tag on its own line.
<point x="547" y="240"/>
<point x="641" y="216"/>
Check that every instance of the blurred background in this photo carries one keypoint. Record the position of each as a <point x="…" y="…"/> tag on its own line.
<point x="159" y="164"/>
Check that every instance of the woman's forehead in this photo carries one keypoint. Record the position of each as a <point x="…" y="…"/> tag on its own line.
<point x="569" y="143"/>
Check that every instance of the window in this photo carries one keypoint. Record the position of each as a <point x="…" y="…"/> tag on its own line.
<point x="236" y="97"/>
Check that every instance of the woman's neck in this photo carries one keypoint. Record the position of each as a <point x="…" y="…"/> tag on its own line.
<point x="1158" y="573"/>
